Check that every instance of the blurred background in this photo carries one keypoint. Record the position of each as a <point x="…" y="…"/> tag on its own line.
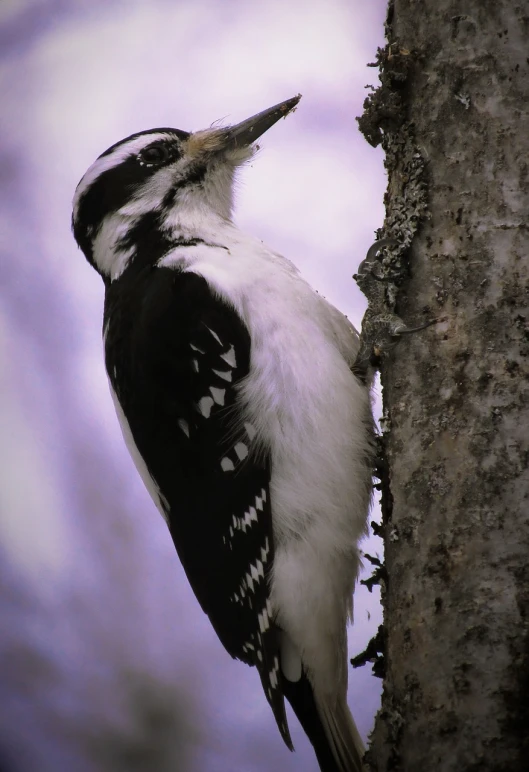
<point x="106" y="660"/>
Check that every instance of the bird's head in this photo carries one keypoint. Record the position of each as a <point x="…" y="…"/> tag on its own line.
<point x="158" y="185"/>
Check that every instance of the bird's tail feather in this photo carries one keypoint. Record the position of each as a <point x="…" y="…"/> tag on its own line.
<point x="343" y="735"/>
<point x="330" y="728"/>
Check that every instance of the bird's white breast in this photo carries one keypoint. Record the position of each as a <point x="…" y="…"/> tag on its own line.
<point x="313" y="414"/>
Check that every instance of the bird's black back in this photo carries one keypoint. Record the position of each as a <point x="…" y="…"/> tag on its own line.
<point x="171" y="343"/>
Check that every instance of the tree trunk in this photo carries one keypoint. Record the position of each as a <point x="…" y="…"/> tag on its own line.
<point x="453" y="112"/>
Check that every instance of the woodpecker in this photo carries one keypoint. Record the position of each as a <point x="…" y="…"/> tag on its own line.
<point x="231" y="378"/>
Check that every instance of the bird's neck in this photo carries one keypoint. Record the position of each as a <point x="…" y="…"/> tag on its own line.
<point x="194" y="221"/>
<point x="144" y="238"/>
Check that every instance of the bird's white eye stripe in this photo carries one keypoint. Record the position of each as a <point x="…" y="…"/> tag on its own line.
<point x="109" y="161"/>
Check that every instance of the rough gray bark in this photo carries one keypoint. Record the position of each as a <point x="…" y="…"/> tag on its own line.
<point x="453" y="112"/>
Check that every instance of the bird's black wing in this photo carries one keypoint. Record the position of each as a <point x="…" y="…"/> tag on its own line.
<point x="176" y="355"/>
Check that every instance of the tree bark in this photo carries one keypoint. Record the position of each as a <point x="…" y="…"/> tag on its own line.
<point x="453" y="113"/>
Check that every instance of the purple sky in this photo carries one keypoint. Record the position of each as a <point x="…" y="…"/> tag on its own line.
<point x="106" y="661"/>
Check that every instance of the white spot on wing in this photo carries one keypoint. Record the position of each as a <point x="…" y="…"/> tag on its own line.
<point x="213" y="333"/>
<point x="249" y="582"/>
<point x="196" y="348"/>
<point x="205" y="405"/>
<point x="184" y="426"/>
<point x="273" y="673"/>
<point x="218" y="395"/>
<point x="250" y="515"/>
<point x="195" y="365"/>
<point x="229" y="357"/>
<point x="264" y="622"/>
<point x="241" y="450"/>
<point x="226" y="375"/>
<point x="227" y="466"/>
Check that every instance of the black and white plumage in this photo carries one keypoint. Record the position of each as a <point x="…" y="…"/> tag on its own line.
<point x="232" y="383"/>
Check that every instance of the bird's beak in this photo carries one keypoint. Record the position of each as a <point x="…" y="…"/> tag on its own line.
<point x="246" y="132"/>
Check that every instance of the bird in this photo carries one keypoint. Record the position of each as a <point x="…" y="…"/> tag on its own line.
<point x="232" y="382"/>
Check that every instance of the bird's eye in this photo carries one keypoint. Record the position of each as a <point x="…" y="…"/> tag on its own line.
<point x="154" y="155"/>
